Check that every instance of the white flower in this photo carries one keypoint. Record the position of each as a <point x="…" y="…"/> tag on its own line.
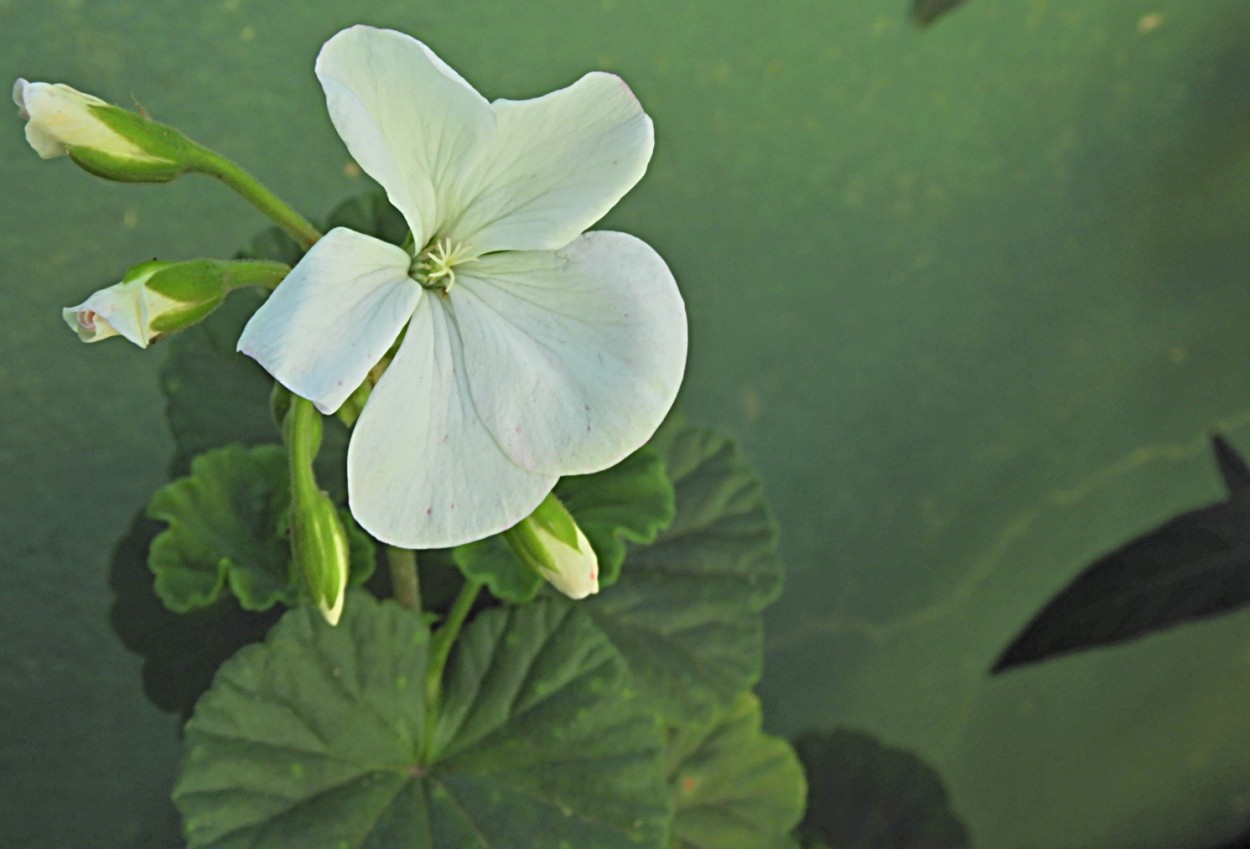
<point x="59" y="117"/>
<point x="530" y="349"/>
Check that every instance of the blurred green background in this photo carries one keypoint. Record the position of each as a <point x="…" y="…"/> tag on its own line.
<point x="971" y="298"/>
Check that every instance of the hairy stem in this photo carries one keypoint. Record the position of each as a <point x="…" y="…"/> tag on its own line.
<point x="404" y="582"/>
<point x="440" y="650"/>
<point x="215" y="165"/>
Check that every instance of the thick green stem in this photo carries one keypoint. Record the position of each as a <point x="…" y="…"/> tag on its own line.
<point x="404" y="582"/>
<point x="262" y="273"/>
<point x="440" y="650"/>
<point x="215" y="165"/>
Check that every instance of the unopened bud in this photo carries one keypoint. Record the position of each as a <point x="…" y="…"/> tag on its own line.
<point x="550" y="542"/>
<point x="319" y="548"/>
<point x="156" y="298"/>
<point x="106" y="140"/>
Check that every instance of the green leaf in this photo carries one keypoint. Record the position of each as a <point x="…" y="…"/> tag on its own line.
<point x="313" y="739"/>
<point x="864" y="795"/>
<point x="180" y="651"/>
<point x="227" y="528"/>
<point x="734" y="786"/>
<point x="686" y="610"/>
<point x="631" y="502"/>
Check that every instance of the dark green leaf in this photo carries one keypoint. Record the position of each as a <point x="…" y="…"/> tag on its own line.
<point x="313" y="739"/>
<point x="1232" y="466"/>
<point x="863" y="795"/>
<point x="686" y="610"/>
<point x="372" y="214"/>
<point x="1191" y="567"/>
<point x="927" y="11"/>
<point x="227" y="528"/>
<point x="180" y="651"/>
<point x="734" y="786"/>
<point x="630" y="502"/>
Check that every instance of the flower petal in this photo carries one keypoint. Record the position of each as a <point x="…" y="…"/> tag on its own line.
<point x="573" y="357"/>
<point x="422" y="470"/>
<point x="408" y="119"/>
<point x="560" y="162"/>
<point x="333" y="317"/>
<point x="116" y="310"/>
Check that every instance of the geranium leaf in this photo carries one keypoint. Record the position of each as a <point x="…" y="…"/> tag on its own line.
<point x="313" y="739"/>
<point x="686" y="610"/>
<point x="227" y="529"/>
<point x="629" y="502"/>
<point x="180" y="651"/>
<point x="863" y="795"/>
<point x="734" y="786"/>
<point x="1193" y="566"/>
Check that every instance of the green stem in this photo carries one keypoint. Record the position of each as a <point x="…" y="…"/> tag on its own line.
<point x="404" y="583"/>
<point x="440" y="650"/>
<point x="214" y="164"/>
<point x="262" y="273"/>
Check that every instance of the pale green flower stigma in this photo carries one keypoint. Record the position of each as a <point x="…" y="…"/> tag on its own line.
<point x="435" y="267"/>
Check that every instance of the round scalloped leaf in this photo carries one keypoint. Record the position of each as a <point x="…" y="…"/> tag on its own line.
<point x="314" y="739"/>
<point x="180" y="651"/>
<point x="227" y="529"/>
<point x="735" y="787"/>
<point x="630" y="502"/>
<point x="686" y="610"/>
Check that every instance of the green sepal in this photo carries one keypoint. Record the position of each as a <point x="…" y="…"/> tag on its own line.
<point x="229" y="531"/>
<point x="165" y="153"/>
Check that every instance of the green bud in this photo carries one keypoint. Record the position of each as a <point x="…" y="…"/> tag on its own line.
<point x="550" y="542"/>
<point x="156" y="298"/>
<point x="320" y="551"/>
<point x="106" y="140"/>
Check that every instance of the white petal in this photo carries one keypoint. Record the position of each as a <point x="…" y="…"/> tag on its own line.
<point x="117" y="310"/>
<point x="577" y="569"/>
<point x="333" y="317"/>
<point x="574" y="357"/>
<point x="59" y="117"/>
<point x="408" y="119"/>
<point x="560" y="162"/>
<point x="422" y="470"/>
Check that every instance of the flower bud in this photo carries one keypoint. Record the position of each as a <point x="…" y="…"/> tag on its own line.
<point x="106" y="140"/>
<point x="550" y="542"/>
<point x="319" y="548"/>
<point x="155" y="298"/>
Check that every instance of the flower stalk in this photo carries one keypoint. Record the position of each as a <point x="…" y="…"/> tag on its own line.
<point x="206" y="161"/>
<point x="404" y="581"/>
<point x="440" y="650"/>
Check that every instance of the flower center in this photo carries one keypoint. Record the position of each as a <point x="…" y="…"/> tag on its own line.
<point x="435" y="267"/>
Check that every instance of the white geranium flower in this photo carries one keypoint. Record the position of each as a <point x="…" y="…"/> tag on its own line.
<point x="531" y="349"/>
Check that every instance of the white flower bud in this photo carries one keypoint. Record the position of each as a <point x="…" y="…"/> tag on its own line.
<point x="549" y="541"/>
<point x="106" y="140"/>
